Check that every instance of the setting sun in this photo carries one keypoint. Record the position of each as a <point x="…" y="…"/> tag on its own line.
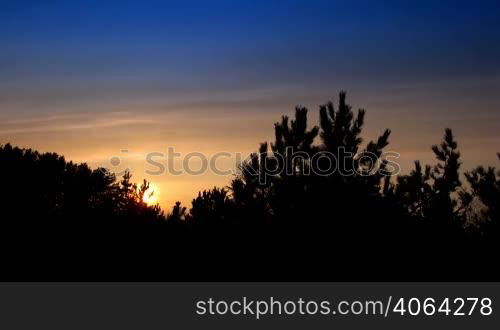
<point x="151" y="195"/>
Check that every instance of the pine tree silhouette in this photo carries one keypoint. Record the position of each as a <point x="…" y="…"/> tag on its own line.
<point x="282" y="213"/>
<point x="485" y="186"/>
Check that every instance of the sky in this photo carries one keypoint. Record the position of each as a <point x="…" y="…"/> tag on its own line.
<point x="90" y="79"/>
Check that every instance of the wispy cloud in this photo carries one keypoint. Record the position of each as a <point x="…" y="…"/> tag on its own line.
<point x="69" y="122"/>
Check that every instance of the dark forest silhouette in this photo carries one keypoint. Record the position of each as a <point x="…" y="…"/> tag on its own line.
<point x="291" y="225"/>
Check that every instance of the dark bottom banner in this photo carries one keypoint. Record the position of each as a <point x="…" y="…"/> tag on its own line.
<point x="248" y="305"/>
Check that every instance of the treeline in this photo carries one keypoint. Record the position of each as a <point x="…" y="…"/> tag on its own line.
<point x="44" y="188"/>
<point x="276" y="189"/>
<point x="283" y="217"/>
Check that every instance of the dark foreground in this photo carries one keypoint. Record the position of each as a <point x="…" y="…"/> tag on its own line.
<point x="151" y="253"/>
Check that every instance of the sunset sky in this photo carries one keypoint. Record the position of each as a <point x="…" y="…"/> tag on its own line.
<point x="88" y="79"/>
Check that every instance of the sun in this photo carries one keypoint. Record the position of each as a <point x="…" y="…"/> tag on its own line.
<point x="151" y="195"/>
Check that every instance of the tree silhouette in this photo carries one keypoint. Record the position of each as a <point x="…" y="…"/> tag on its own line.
<point x="177" y="216"/>
<point x="446" y="180"/>
<point x="485" y="186"/>
<point x="212" y="207"/>
<point x="287" y="210"/>
<point x="414" y="190"/>
<point x="57" y="190"/>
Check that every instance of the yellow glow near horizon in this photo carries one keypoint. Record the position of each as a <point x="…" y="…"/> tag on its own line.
<point x="151" y="195"/>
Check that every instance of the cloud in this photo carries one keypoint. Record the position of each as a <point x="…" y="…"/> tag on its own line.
<point x="70" y="122"/>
